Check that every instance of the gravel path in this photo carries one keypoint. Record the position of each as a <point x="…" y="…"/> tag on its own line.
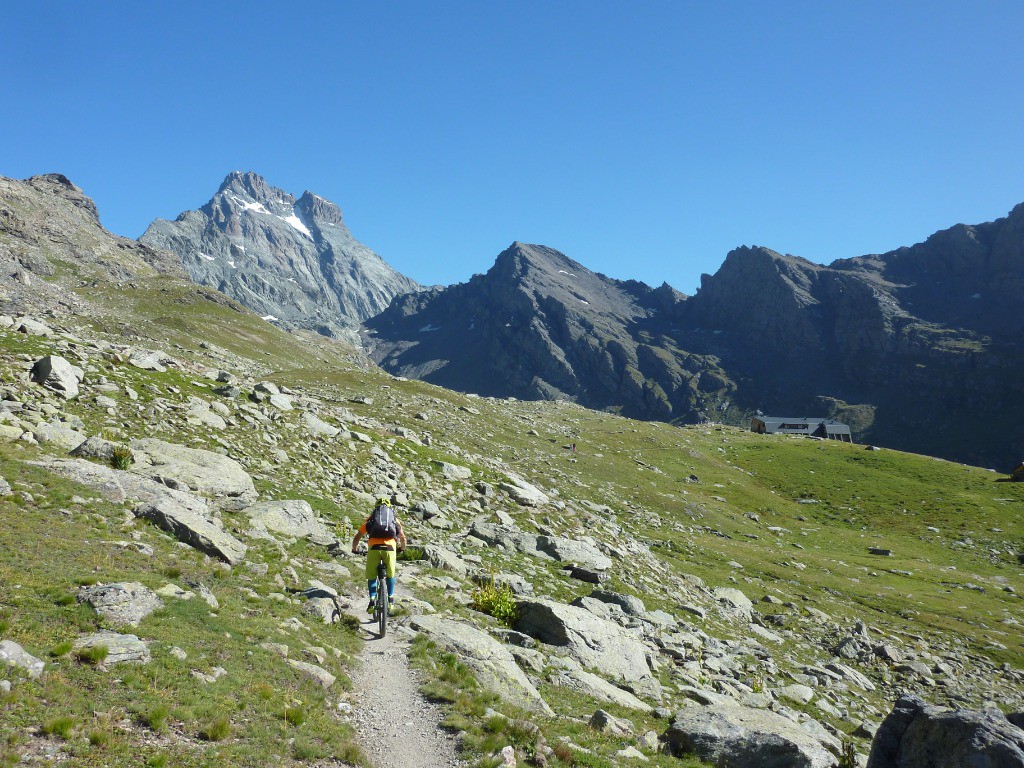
<point x="397" y="727"/>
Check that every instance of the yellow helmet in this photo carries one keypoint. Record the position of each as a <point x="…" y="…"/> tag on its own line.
<point x="384" y="501"/>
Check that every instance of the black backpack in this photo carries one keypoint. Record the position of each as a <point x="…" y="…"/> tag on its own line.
<point x="382" y="524"/>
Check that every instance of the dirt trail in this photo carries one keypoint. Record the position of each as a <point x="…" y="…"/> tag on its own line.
<point x="397" y="727"/>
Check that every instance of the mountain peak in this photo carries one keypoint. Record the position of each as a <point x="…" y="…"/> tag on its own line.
<point x="254" y="186"/>
<point x="320" y="209"/>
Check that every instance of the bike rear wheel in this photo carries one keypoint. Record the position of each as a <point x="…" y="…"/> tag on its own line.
<point x="382" y="607"/>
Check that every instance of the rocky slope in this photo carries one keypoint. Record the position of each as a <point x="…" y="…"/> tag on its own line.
<point x="540" y="325"/>
<point x="291" y="260"/>
<point x="178" y="487"/>
<point x="917" y="348"/>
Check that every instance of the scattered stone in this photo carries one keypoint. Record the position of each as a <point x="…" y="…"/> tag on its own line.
<point x="121" y="603"/>
<point x="609" y="724"/>
<point x="453" y="471"/>
<point x="57" y="374"/>
<point x="879" y="551"/>
<point x="317" y="674"/>
<point x="14" y="655"/>
<point x="193" y="529"/>
<point x="192" y="469"/>
<point x="294" y="518"/>
<point x="523" y="493"/>
<point x="120" y="648"/>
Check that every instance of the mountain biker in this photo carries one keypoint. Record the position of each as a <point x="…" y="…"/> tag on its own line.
<point x="380" y="548"/>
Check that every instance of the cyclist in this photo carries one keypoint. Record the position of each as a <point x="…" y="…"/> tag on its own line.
<point x="383" y="540"/>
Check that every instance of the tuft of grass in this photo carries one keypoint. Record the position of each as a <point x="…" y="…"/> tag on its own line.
<point x="156" y="718"/>
<point x="121" y="457"/>
<point x="62" y="649"/>
<point x="172" y="571"/>
<point x="294" y="715"/>
<point x="158" y="760"/>
<point x="94" y="654"/>
<point x="306" y="748"/>
<point x="99" y="738"/>
<point x="62" y="727"/>
<point x="217" y="729"/>
<point x="497" y="600"/>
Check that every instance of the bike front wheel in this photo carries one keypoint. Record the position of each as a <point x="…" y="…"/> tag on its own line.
<point x="382" y="609"/>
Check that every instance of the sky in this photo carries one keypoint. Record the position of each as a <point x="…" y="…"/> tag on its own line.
<point x="643" y="139"/>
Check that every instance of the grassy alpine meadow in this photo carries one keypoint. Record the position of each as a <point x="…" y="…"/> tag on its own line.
<point x="57" y="537"/>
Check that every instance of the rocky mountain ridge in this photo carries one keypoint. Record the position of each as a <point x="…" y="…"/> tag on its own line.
<point x="916" y="348"/>
<point x="292" y="261"/>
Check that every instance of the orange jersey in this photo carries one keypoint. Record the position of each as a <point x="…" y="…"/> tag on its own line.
<point x="374" y="541"/>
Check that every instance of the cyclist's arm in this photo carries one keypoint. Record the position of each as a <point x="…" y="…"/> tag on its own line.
<point x="401" y="535"/>
<point x="356" y="540"/>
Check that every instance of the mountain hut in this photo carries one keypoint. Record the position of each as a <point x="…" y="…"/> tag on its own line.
<point x="828" y="429"/>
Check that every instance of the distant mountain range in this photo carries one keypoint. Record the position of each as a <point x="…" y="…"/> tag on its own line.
<point x="918" y="348"/>
<point x="290" y="260"/>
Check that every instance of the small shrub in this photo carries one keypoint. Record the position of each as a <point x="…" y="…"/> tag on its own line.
<point x="497" y="600"/>
<point x="62" y="649"/>
<point x="88" y="581"/>
<point x="65" y="600"/>
<point x="61" y="727"/>
<point x="158" y="760"/>
<point x="411" y="553"/>
<point x="217" y="729"/>
<point x="93" y="654"/>
<point x="121" y="457"/>
<point x="847" y="754"/>
<point x="5" y="624"/>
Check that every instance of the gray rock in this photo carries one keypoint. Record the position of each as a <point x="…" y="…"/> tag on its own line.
<point x="193" y="469"/>
<point x="918" y="735"/>
<point x="632" y="606"/>
<point x="149" y="360"/>
<point x="32" y="327"/>
<point x="293" y="518"/>
<point x="608" y="724"/>
<point x="799" y="694"/>
<point x="453" y="471"/>
<point x="122" y="603"/>
<point x="95" y="448"/>
<point x="725" y="733"/>
<point x="318" y="427"/>
<point x="56" y="373"/>
<point x="493" y="664"/>
<point x="5" y="488"/>
<point x="120" y="648"/>
<point x="281" y="402"/>
<point x="120" y="486"/>
<point x="319" y="675"/>
<point x="523" y="493"/>
<point x="569" y="674"/>
<point x="14" y="655"/>
<point x="58" y="435"/>
<point x="734" y="603"/>
<point x="193" y="529"/>
<point x="580" y="553"/>
<point x="445" y="559"/>
<point x="594" y="642"/>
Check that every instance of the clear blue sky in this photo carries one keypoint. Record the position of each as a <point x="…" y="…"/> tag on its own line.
<point x="643" y="139"/>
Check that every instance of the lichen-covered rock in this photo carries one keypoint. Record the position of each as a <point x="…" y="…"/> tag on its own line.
<point x="122" y="603"/>
<point x="56" y="373"/>
<point x="121" y="649"/>
<point x="495" y="667"/>
<point x="294" y="518"/>
<point x="193" y="529"/>
<point x="13" y="654"/>
<point x="193" y="469"/>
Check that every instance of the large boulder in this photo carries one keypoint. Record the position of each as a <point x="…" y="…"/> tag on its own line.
<point x="509" y="537"/>
<point x="194" y="469"/>
<point x="918" y="735"/>
<point x="317" y="426"/>
<point x="592" y="641"/>
<point x="494" y="666"/>
<point x="569" y="674"/>
<point x="122" y="603"/>
<point x="56" y="373"/>
<point x="193" y="529"/>
<point x="294" y="518"/>
<point x="725" y="733"/>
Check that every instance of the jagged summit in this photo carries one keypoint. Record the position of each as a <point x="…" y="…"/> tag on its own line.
<point x="292" y="261"/>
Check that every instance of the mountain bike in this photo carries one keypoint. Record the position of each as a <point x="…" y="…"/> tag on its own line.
<point x="380" y="607"/>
